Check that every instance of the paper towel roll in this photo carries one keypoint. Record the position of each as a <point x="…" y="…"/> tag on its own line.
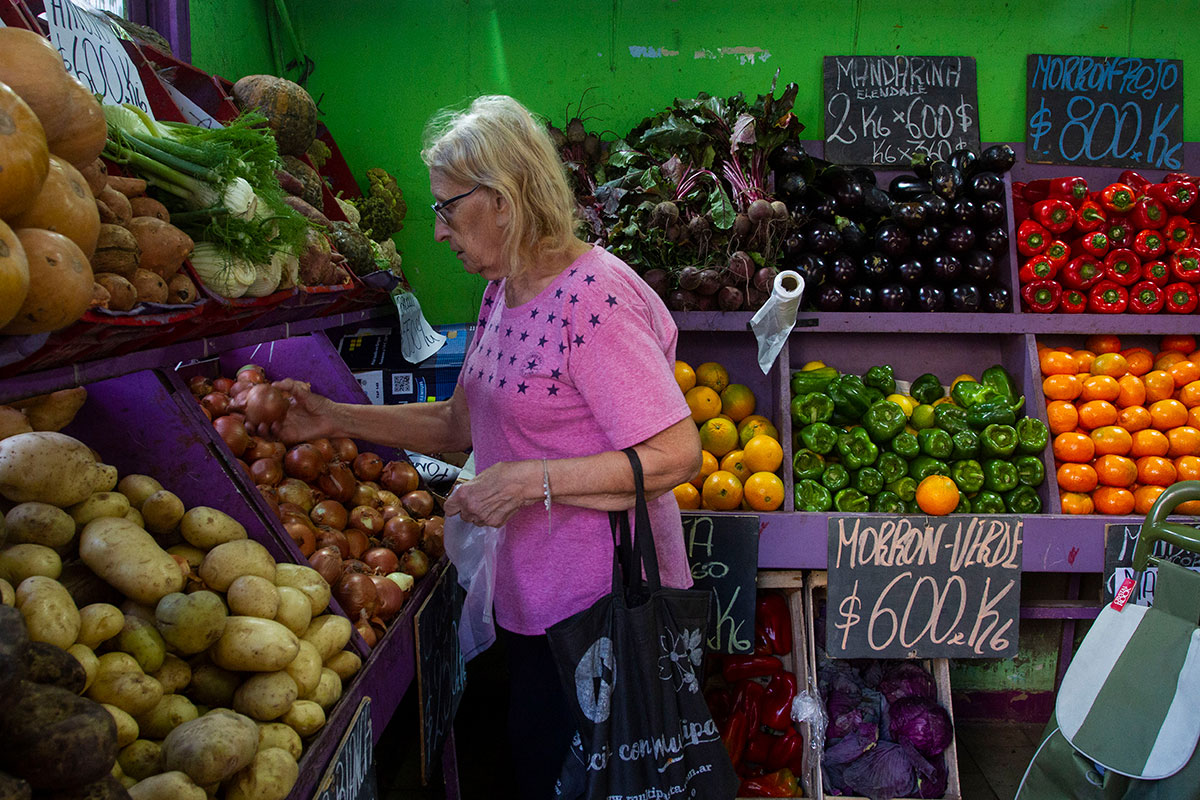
<point x="773" y="323"/>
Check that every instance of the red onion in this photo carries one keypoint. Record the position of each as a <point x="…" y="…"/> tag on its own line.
<point x="344" y="449"/>
<point x="328" y="562"/>
<point x="358" y="542"/>
<point x="391" y="597"/>
<point x="338" y="482"/>
<point x="266" y="471"/>
<point x="401" y="533"/>
<point x="418" y="503"/>
<point x="368" y="466"/>
<point x="382" y="559"/>
<point x="331" y="513"/>
<point x="400" y="477"/>
<point x="259" y="448"/>
<point x="328" y="537"/>
<point x="265" y="404"/>
<point x="356" y="594"/>
<point x="366" y="518"/>
<point x="222" y="384"/>
<point x="217" y="403"/>
<point x="303" y="461"/>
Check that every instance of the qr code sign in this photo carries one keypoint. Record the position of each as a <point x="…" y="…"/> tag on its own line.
<point x="402" y="383"/>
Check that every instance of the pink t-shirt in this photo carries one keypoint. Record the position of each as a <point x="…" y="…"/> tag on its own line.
<point x="585" y="367"/>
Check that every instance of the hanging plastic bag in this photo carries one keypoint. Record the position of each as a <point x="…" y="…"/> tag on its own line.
<point x="472" y="550"/>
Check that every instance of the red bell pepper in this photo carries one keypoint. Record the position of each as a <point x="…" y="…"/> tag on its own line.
<point x="1148" y="213"/>
<point x="1037" y="268"/>
<point x="1090" y="216"/>
<point x="737" y="668"/>
<point x="1081" y="272"/>
<point x="782" y="783"/>
<point x="1182" y="298"/>
<point x="1055" y="214"/>
<point x="1123" y="266"/>
<point x="1149" y="245"/>
<point x="758" y="747"/>
<point x="1108" y="297"/>
<point x="1178" y="233"/>
<point x="1073" y="302"/>
<point x="1118" y="197"/>
<point x="1185" y="265"/>
<point x="1034" y="191"/>
<point x="787" y="751"/>
<point x="772" y="615"/>
<point x="1042" y="296"/>
<point x="1133" y="179"/>
<point x="1021" y="209"/>
<point x="1093" y="244"/>
<point x="742" y="721"/>
<point x="1072" y="189"/>
<point x="1178" y="196"/>
<point x="1173" y="177"/>
<point x="776" y="709"/>
<point x="1157" y="272"/>
<point x="1146" y="297"/>
<point x="1032" y="238"/>
<point x="1119" y="231"/>
<point x="1059" y="253"/>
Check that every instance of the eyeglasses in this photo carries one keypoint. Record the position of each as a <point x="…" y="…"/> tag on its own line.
<point x="440" y="206"/>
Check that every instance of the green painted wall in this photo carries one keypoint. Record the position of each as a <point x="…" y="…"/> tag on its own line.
<point x="229" y="38"/>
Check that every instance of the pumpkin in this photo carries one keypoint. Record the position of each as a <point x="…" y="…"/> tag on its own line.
<point x="14" y="274"/>
<point x="80" y="140"/>
<point x="32" y="68"/>
<point x="64" y="205"/>
<point x="60" y="283"/>
<point x="24" y="159"/>
<point x="290" y="111"/>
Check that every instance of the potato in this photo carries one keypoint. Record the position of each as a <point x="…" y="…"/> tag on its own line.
<point x="211" y="748"/>
<point x="346" y="663"/>
<point x="50" y="467"/>
<point x="265" y="696"/>
<point x="174" y="674"/>
<point x="87" y="659"/>
<point x="328" y="691"/>
<point x="253" y="596"/>
<point x="191" y="623"/>
<point x="50" y="613"/>
<point x="109" y="787"/>
<point x="251" y="644"/>
<point x="52" y="666"/>
<point x="129" y="559"/>
<point x="142" y="640"/>
<point x="307" y="580"/>
<point x="270" y="776"/>
<point x="173" y="785"/>
<point x="162" y="512"/>
<point x="14" y="648"/>
<point x="23" y="560"/>
<point x="120" y="682"/>
<point x="227" y="562"/>
<point x="135" y="516"/>
<point x="305" y="668"/>
<point x="213" y="686"/>
<point x="150" y="286"/>
<point x="193" y="555"/>
<point x="12" y="422"/>
<point x="54" y="411"/>
<point x="101" y="504"/>
<point x="131" y="609"/>
<point x="55" y="739"/>
<point x="140" y="759"/>
<point x="137" y="488"/>
<point x="181" y="290"/>
<point x="39" y="523"/>
<point x="127" y="727"/>
<point x="170" y="712"/>
<point x="329" y="633"/>
<point x="8" y="595"/>
<point x="277" y="734"/>
<point x="99" y="622"/>
<point x="305" y="717"/>
<point x="295" y="612"/>
<point x="206" y="527"/>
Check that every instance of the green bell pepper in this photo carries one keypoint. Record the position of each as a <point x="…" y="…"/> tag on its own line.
<point x="884" y="420"/>
<point x="1032" y="435"/>
<point x="887" y="502"/>
<point x="811" y="407"/>
<point x="1023" y="500"/>
<point x="966" y="445"/>
<point x="1000" y="382"/>
<point x="905" y="445"/>
<point x="964" y="505"/>
<point x="850" y="400"/>
<point x="935" y="442"/>
<point x="881" y="378"/>
<point x="998" y="441"/>
<point x="892" y="466"/>
<point x="851" y="500"/>
<point x="856" y="449"/>
<point x="970" y="393"/>
<point x="923" y="466"/>
<point x="987" y="502"/>
<point x="813" y="380"/>
<point x="1030" y="470"/>
<point x="999" y="475"/>
<point x="820" y="437"/>
<point x="807" y="464"/>
<point x="873" y="396"/>
<point x="951" y="418"/>
<point x="927" y="388"/>
<point x="967" y="475"/>
<point x="905" y="488"/>
<point x="912" y="507"/>
<point x="835" y="477"/>
<point x="812" y="496"/>
<point x="996" y="410"/>
<point x="868" y="480"/>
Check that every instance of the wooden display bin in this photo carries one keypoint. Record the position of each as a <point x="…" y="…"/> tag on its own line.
<point x="815" y="588"/>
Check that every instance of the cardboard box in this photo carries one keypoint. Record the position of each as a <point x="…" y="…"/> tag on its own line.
<point x="374" y="357"/>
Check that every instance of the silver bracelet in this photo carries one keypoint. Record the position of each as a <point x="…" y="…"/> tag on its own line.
<point x="546" y="487"/>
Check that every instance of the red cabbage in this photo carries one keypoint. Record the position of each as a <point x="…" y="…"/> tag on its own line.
<point x="907" y="679"/>
<point x="934" y="786"/>
<point x="922" y="723"/>
<point x="886" y="771"/>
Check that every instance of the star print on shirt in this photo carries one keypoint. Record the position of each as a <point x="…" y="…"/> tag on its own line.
<point x="558" y="292"/>
<point x="508" y="332"/>
<point x="482" y="321"/>
<point x="578" y="340"/>
<point x="532" y="363"/>
<point x="512" y="360"/>
<point x="499" y="354"/>
<point x="533" y="314"/>
<point x="552" y="391"/>
<point x="542" y="341"/>
<point x="561" y="347"/>
<point x="590" y="279"/>
<point x="489" y="351"/>
<point x="573" y="271"/>
<point x="524" y="335"/>
<point x="490" y="378"/>
<point x="487" y="301"/>
<point x="595" y="320"/>
<point x="502" y="382"/>
<point x="550" y="318"/>
<point x="554" y="373"/>
<point x="565" y="323"/>
<point x="521" y="387"/>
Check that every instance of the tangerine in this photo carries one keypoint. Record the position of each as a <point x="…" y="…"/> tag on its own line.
<point x="1074" y="446"/>
<point x="1076" y="477"/>
<point x="718" y="436"/>
<point x="1159" y="385"/>
<point x="708" y="465"/>
<point x="1077" y="503"/>
<point x="1056" y="362"/>
<point x="1168" y="357"/>
<point x="737" y="401"/>
<point x="764" y="491"/>
<point x="1189" y="394"/>
<point x="1184" y="372"/>
<point x="937" y="495"/>
<point x="1100" y="387"/>
<point x="704" y="403"/>
<point x="1168" y="413"/>
<point x="1112" y="439"/>
<point x="1155" y="471"/>
<point x="1063" y="416"/>
<point x="1194" y="416"/>
<point x="757" y="428"/>
<point x="1131" y="391"/>
<point x="1113" y="500"/>
<point x="687" y="496"/>
<point x="1144" y="497"/>
<point x="1149" y="442"/>
<point x="1096" y="414"/>
<point x="685" y="376"/>
<point x="712" y="375"/>
<point x="1112" y="364"/>
<point x="1113" y="470"/>
<point x="763" y="454"/>
<point x="735" y="462"/>
<point x="1183" y="441"/>
<point x="1103" y="343"/>
<point x="1139" y="360"/>
<point x="1187" y="468"/>
<point x="1083" y="359"/>
<point x="1133" y="418"/>
<point x="1179" y="342"/>
<point x="1061" y="387"/>
<point x="722" y="491"/>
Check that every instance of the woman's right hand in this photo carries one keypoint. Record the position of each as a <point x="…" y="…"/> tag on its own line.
<point x="310" y="415"/>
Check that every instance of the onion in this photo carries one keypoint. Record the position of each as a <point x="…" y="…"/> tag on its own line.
<point x="265" y="404"/>
<point x="363" y="626"/>
<point x="344" y="449"/>
<point x="433" y="539"/>
<point x="324" y="447"/>
<point x="366" y="518"/>
<point x="401" y="533"/>
<point x="245" y="467"/>
<point x="400" y="477"/>
<point x="266" y="471"/>
<point x="365" y="495"/>
<point x="357" y="565"/>
<point x="382" y="559"/>
<point x="415" y="563"/>
<point x="389" y="498"/>
<point x="392" y="511"/>
<point x="356" y="594"/>
<point x="368" y="466"/>
<point x="259" y="448"/>
<point x="222" y="384"/>
<point x="268" y="494"/>
<point x="402" y="579"/>
<point x="217" y="403"/>
<point x="252" y="373"/>
<point x="330" y="513"/>
<point x="338" y="482"/>
<point x="303" y="461"/>
<point x="288" y="509"/>
<point x="303" y="536"/>
<point x="208" y="414"/>
<point x="297" y="492"/>
<point x="328" y="537"/>
<point x="199" y="385"/>
<point x="391" y="597"/>
<point x="328" y="562"/>
<point x="418" y="503"/>
<point x="358" y="543"/>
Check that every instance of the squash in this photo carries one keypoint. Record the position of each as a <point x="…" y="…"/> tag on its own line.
<point x="24" y="158"/>
<point x="65" y="205"/>
<point x="60" y="283"/>
<point x="14" y="274"/>
<point x="289" y="109"/>
<point x="81" y="138"/>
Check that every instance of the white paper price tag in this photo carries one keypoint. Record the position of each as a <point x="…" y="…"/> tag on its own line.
<point x="192" y="113"/>
<point x="93" y="53"/>
<point x="418" y="340"/>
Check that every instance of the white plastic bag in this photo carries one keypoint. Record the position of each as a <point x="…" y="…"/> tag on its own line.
<point x="472" y="550"/>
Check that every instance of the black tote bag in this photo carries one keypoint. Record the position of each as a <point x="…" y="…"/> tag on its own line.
<point x="631" y="668"/>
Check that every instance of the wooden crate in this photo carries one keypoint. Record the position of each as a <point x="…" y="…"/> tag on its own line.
<point x="815" y="588"/>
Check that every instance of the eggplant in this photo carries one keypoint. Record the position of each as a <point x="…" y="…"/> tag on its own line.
<point x="875" y="268"/>
<point x="999" y="158"/>
<point x="842" y="184"/>
<point x="895" y="297"/>
<point x="931" y="298"/>
<point x="831" y="298"/>
<point x="891" y="239"/>
<point x="864" y="175"/>
<point x="860" y="298"/>
<point x="911" y="272"/>
<point x="963" y="159"/>
<point x="979" y="266"/>
<point x="987" y="186"/>
<point x="927" y="240"/>
<point x="802" y="208"/>
<point x="962" y="211"/>
<point x="922" y="163"/>
<point x="812" y="267"/>
<point x="991" y="213"/>
<point x="792" y="186"/>
<point x="788" y="157"/>
<point x="876" y="201"/>
<point x="793" y="246"/>
<point x="854" y="238"/>
<point x="946" y="268"/>
<point x="996" y="240"/>
<point x="843" y="270"/>
<point x="946" y="180"/>
<point x="966" y="297"/>
<point x="825" y="206"/>
<point x="959" y="239"/>
<point x="822" y="238"/>
<point x="997" y="298"/>
<point x="903" y="187"/>
<point x="936" y="207"/>
<point x="910" y="213"/>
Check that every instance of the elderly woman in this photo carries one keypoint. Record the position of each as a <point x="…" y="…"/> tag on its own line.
<point x="572" y="361"/>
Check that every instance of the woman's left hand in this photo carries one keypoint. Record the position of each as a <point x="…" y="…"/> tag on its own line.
<point x="495" y="494"/>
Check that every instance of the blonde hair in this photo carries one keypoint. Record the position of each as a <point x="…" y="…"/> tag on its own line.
<point x="498" y="144"/>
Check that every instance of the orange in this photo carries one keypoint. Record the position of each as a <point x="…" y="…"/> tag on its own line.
<point x="1155" y="471"/>
<point x="1134" y="418"/>
<point x="718" y="436"/>
<point x="722" y="491"/>
<point x="1144" y="497"/>
<point x="725" y="417"/>
<point x="1183" y="441"/>
<point x="1061" y="387"/>
<point x="1191" y="508"/>
<point x="1113" y="500"/>
<point x="1132" y="392"/>
<point x="759" y="427"/>
<point x="1168" y="357"/>
<point x="1111" y="364"/>
<point x="1115" y="470"/>
<point x="1112" y="439"/>
<point x="1187" y="468"/>
<point x="1056" y="362"/>
<point x="764" y="491"/>
<point x="1077" y="503"/>
<point x="685" y="376"/>
<point x="712" y="375"/>
<point x="1189" y="394"/>
<point x="1149" y="442"/>
<point x="1194" y="416"/>
<point x="1097" y="413"/>
<point x="763" y="454"/>
<point x="1073" y="446"/>
<point x="735" y="462"/>
<point x="1063" y="416"/>
<point x="1184" y="372"/>
<point x="1159" y="385"/>
<point x="1179" y="342"/>
<point x="1166" y="414"/>
<point x="708" y="465"/>
<point x="1103" y="343"/>
<point x="704" y="403"/>
<point x="1100" y="387"/>
<point x="937" y="495"/>
<point x="687" y="496"/>
<point x="737" y="401"/>
<point x="1083" y="359"/>
<point x="1139" y="359"/>
<point x="1076" y="477"/>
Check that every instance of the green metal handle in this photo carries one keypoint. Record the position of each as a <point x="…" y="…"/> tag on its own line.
<point x="1156" y="527"/>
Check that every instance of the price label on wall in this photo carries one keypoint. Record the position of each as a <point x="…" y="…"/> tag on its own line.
<point x="92" y="52"/>
<point x="722" y="551"/>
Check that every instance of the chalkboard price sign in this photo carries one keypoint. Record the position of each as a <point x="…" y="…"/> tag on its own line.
<point x="351" y="772"/>
<point x="882" y="110"/>
<point x="441" y="670"/>
<point x="923" y="587"/>
<point x="723" y="554"/>
<point x="1106" y="112"/>
<point x="1119" y="542"/>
